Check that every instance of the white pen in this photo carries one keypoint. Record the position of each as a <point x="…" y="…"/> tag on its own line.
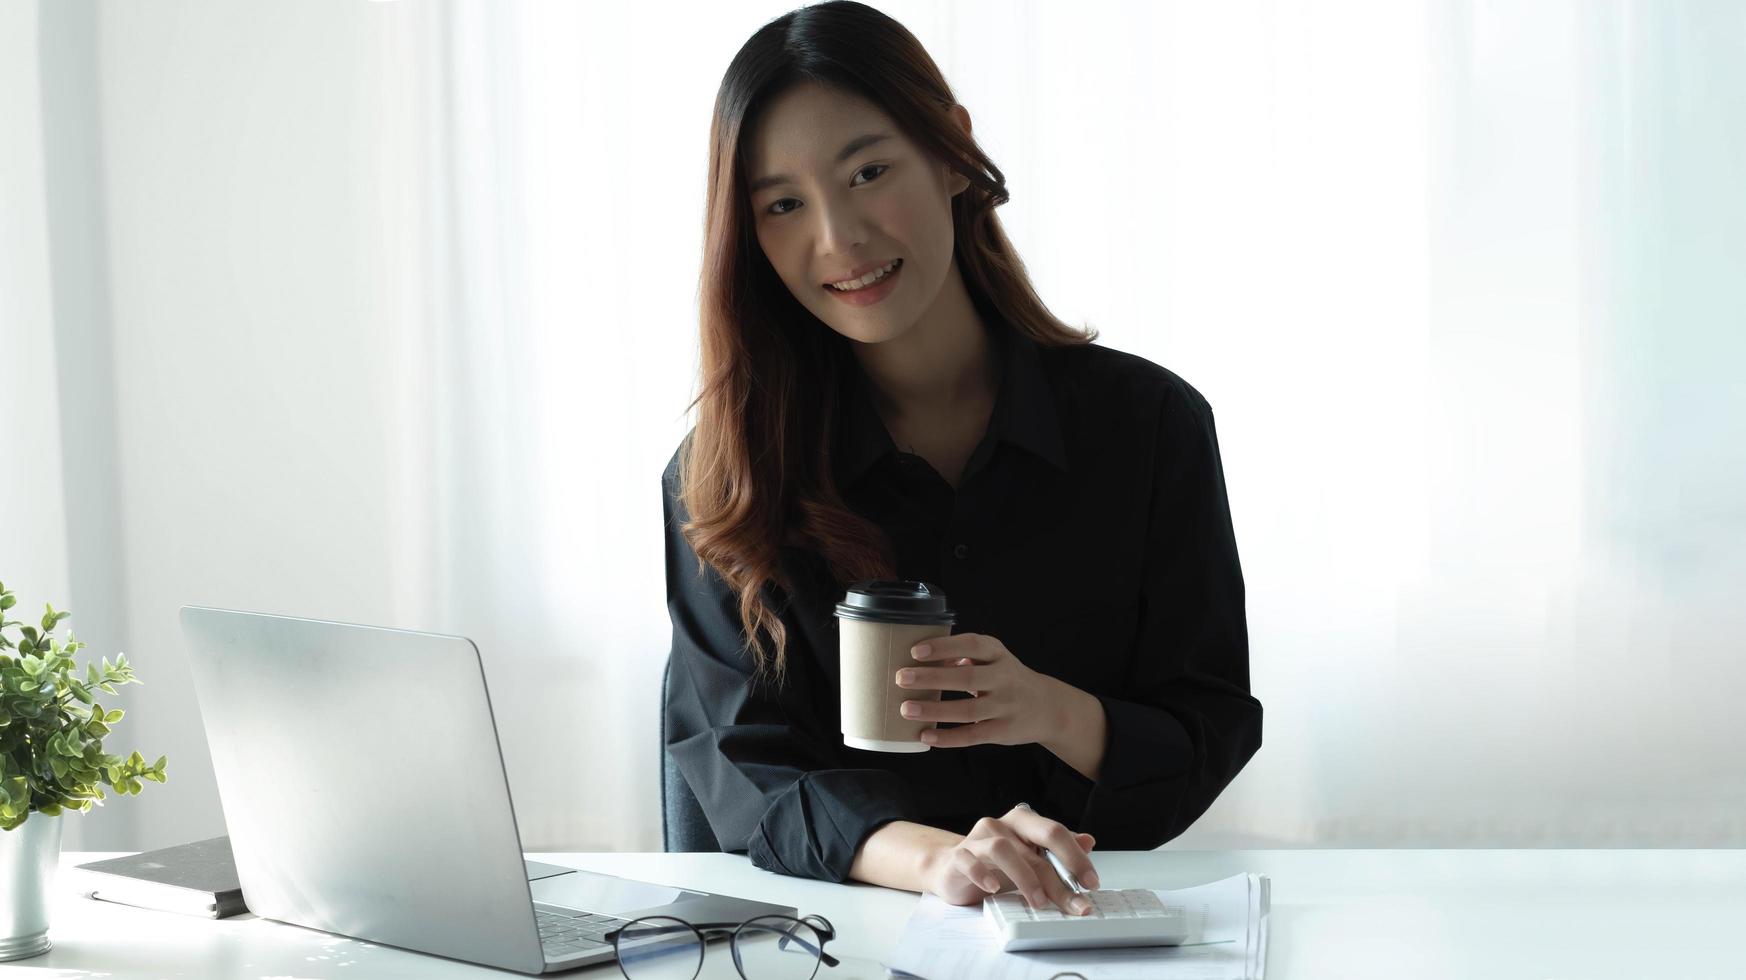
<point x="1055" y="862"/>
<point x="1066" y="875"/>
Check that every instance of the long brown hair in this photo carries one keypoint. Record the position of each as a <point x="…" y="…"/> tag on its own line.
<point x="755" y="472"/>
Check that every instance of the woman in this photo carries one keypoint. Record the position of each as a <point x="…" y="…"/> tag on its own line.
<point x="936" y="424"/>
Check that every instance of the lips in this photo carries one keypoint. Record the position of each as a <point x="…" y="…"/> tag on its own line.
<point x="859" y="271"/>
<point x="870" y="295"/>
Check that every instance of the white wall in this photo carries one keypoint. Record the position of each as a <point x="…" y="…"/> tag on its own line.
<point x="256" y="249"/>
<point x="397" y="302"/>
<point x="33" y="519"/>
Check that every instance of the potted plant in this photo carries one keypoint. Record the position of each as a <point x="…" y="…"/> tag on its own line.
<point x="51" y="761"/>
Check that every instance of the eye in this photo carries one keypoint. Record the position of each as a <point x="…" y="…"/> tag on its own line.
<point x="873" y="166"/>
<point x="880" y="167"/>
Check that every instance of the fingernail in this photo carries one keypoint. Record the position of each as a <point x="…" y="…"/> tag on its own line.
<point x="905" y="678"/>
<point x="1080" y="905"/>
<point x="919" y="651"/>
<point x="929" y="737"/>
<point x="908" y="709"/>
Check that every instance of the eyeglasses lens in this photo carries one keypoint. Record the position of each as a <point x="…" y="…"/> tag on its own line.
<point x="776" y="947"/>
<point x="659" y="948"/>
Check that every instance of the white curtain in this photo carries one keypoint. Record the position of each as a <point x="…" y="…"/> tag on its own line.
<point x="1456" y="277"/>
<point x="401" y="305"/>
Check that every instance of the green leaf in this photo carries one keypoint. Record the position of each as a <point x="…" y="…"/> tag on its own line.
<point x="52" y="726"/>
<point x="7" y="601"/>
<point x="50" y="618"/>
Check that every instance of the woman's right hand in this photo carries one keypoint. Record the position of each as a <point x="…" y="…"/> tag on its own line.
<point x="1001" y="853"/>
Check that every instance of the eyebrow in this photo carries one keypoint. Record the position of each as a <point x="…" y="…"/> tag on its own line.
<point x="851" y="148"/>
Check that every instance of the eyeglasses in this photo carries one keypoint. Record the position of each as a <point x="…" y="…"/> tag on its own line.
<point x="768" y="947"/>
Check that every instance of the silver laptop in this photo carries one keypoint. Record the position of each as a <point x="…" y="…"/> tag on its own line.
<point x="364" y="793"/>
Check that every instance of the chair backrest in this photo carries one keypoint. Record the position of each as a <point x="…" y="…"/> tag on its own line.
<point x="683" y="825"/>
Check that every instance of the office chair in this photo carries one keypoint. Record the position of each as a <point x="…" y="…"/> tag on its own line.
<point x="683" y="825"/>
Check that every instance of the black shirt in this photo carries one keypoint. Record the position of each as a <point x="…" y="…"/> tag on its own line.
<point x="1090" y="533"/>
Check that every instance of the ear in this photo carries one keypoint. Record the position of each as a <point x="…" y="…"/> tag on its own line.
<point x="955" y="181"/>
<point x="961" y="116"/>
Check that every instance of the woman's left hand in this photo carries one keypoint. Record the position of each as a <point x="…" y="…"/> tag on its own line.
<point x="1012" y="704"/>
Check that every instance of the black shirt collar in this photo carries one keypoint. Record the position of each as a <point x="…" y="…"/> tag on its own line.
<point x="1024" y="409"/>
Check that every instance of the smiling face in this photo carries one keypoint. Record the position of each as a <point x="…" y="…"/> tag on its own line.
<point x="837" y="192"/>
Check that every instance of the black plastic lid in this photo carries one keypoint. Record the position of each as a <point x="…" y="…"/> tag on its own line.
<point x="896" y="602"/>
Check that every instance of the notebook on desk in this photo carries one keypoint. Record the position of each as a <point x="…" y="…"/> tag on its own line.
<point x="198" y="878"/>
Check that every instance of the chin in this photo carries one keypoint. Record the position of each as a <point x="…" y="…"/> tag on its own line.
<point x="871" y="333"/>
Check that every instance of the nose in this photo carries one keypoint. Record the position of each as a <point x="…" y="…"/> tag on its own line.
<point x="842" y="229"/>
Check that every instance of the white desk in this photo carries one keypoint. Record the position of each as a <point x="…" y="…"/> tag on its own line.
<point x="1392" y="914"/>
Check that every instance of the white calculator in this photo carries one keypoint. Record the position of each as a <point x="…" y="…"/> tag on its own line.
<point x="1118" y="917"/>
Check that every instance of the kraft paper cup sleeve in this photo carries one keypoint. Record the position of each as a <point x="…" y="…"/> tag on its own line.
<point x="870" y="656"/>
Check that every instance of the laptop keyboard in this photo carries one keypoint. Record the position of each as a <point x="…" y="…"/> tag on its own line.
<point x="563" y="936"/>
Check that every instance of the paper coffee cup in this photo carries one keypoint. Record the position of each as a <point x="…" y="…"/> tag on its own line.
<point x="878" y="623"/>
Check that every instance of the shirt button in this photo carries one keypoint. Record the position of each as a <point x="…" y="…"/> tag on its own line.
<point x="960" y="551"/>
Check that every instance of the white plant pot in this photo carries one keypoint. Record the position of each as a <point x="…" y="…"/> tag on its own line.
<point x="29" y="857"/>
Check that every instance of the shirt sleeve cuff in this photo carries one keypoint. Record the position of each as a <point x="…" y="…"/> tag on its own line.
<point x="814" y="828"/>
<point x="1145" y="747"/>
